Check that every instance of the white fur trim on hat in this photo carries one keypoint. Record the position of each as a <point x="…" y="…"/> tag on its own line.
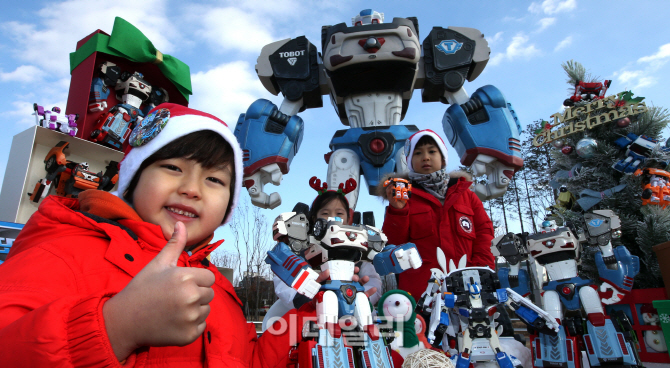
<point x="410" y="143"/>
<point x="182" y="121"/>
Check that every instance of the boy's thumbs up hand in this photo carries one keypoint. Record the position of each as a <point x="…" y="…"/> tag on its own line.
<point x="162" y="305"/>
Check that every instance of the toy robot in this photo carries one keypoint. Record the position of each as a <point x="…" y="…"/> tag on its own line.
<point x="513" y="248"/>
<point x="655" y="184"/>
<point x="52" y="119"/>
<point x="71" y="178"/>
<point x="638" y="149"/>
<point x="342" y="309"/>
<point x="114" y="126"/>
<point x="401" y="187"/>
<point x="370" y="71"/>
<point x="571" y="300"/>
<point x="474" y="295"/>
<point x="587" y="92"/>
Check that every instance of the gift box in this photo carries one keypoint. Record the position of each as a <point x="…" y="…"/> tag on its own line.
<point x="130" y="50"/>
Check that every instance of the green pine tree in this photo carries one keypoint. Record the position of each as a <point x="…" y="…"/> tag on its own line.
<point x="642" y="227"/>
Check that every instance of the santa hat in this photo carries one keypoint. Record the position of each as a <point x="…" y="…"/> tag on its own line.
<point x="165" y="123"/>
<point x="410" y="143"/>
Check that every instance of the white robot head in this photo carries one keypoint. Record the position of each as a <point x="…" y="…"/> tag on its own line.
<point x="367" y="16"/>
<point x="549" y="226"/>
<point x="132" y="89"/>
<point x="475" y="290"/>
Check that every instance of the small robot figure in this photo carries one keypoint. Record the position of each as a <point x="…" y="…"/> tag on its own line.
<point x="474" y="295"/>
<point x="656" y="188"/>
<point x="114" y="126"/>
<point x="71" y="178"/>
<point x="52" y="119"/>
<point x="401" y="187"/>
<point x="341" y="306"/>
<point x="587" y="92"/>
<point x="638" y="149"/>
<point x="513" y="248"/>
<point x="370" y="70"/>
<point x="567" y="293"/>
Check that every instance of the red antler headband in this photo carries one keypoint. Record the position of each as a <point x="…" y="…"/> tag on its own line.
<point x="343" y="188"/>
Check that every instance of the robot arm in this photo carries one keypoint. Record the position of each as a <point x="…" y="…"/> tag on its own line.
<point x="396" y="259"/>
<point x="293" y="270"/>
<point x="616" y="266"/>
<point x="468" y="128"/>
<point x="528" y="312"/>
<point x="269" y="140"/>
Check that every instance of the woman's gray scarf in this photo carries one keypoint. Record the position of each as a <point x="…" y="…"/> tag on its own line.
<point x="434" y="183"/>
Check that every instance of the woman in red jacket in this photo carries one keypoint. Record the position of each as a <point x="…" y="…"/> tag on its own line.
<point x="442" y="212"/>
<point x="92" y="282"/>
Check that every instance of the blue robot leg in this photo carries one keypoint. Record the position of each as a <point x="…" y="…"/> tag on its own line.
<point x="604" y="345"/>
<point x="331" y="351"/>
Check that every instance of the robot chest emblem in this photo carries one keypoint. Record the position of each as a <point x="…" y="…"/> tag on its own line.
<point x="449" y="46"/>
<point x="350" y="235"/>
<point x="466" y="224"/>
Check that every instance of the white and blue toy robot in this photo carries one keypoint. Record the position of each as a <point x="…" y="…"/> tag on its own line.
<point x="370" y="71"/>
<point x="638" y="149"/>
<point x="342" y="308"/>
<point x="474" y="295"/>
<point x="573" y="301"/>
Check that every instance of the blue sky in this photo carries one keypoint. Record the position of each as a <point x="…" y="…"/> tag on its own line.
<point x="628" y="42"/>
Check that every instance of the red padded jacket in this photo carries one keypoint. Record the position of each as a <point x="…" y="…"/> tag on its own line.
<point x="459" y="226"/>
<point x="65" y="264"/>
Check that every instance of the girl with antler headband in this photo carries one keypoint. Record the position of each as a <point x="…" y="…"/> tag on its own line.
<point x="328" y="203"/>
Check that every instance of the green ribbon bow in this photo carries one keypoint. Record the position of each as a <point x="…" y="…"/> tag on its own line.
<point x="129" y="42"/>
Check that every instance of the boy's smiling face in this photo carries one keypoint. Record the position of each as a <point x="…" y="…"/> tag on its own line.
<point x="427" y="159"/>
<point x="179" y="189"/>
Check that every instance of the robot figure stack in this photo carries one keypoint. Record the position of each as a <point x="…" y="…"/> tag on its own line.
<point x="370" y="71"/>
<point x="572" y="300"/>
<point x="342" y="308"/>
<point x="463" y="304"/>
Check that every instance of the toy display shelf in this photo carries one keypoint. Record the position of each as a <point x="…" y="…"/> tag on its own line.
<point x="631" y="305"/>
<point x="25" y="167"/>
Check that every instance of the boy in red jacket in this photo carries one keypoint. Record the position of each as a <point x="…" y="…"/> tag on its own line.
<point x="442" y="212"/>
<point x="92" y="282"/>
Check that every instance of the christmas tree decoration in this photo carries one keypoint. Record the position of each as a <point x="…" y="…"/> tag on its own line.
<point x="638" y="149"/>
<point x="589" y="198"/>
<point x="558" y="143"/>
<point x="565" y="199"/>
<point x="622" y="123"/>
<point x="586" y="147"/>
<point x="567" y="150"/>
<point x="655" y="186"/>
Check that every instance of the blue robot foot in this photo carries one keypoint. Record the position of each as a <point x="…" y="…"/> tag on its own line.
<point x="504" y="361"/>
<point x="375" y="354"/>
<point x="463" y="360"/>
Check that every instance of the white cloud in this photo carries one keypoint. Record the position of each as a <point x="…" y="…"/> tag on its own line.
<point x="635" y="79"/>
<point x="564" y="43"/>
<point x="550" y="7"/>
<point x="227" y="90"/>
<point x="241" y="30"/>
<point x="23" y="74"/>
<point x="544" y="23"/>
<point x="43" y="42"/>
<point x="638" y="79"/>
<point x="495" y="39"/>
<point x="517" y="49"/>
<point x="658" y="59"/>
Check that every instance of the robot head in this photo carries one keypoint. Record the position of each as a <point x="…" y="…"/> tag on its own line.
<point x="549" y="226"/>
<point x="474" y="290"/>
<point x="367" y="16"/>
<point x="56" y="109"/>
<point x="132" y="89"/>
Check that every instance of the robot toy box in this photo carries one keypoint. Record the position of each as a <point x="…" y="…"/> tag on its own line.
<point x="138" y="76"/>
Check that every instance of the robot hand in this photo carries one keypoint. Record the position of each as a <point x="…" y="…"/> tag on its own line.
<point x="468" y="128"/>
<point x="408" y="258"/>
<point x="254" y="184"/>
<point x="305" y="283"/>
<point x="269" y="140"/>
<point x="97" y="106"/>
<point x="609" y="294"/>
<point x="498" y="175"/>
